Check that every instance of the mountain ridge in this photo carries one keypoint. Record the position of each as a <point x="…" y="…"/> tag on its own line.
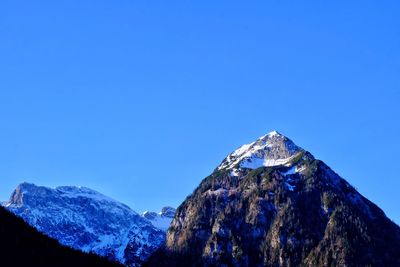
<point x="162" y="219"/>
<point x="84" y="219"/>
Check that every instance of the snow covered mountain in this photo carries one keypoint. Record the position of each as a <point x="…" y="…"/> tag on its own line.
<point x="84" y="219"/>
<point x="271" y="203"/>
<point x="269" y="150"/>
<point x="161" y="220"/>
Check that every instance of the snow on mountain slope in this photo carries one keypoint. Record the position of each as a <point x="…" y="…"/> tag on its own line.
<point x="271" y="203"/>
<point x="160" y="220"/>
<point x="84" y="219"/>
<point x="272" y="149"/>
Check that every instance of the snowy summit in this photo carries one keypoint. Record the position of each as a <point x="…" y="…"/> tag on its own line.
<point x="160" y="220"/>
<point x="272" y="149"/>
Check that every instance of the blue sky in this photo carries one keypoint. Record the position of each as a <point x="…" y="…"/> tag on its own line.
<point x="143" y="99"/>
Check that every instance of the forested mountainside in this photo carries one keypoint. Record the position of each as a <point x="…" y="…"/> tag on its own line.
<point x="271" y="203"/>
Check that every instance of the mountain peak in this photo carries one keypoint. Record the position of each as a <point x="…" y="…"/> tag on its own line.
<point x="273" y="133"/>
<point x="25" y="186"/>
<point x="18" y="196"/>
<point x="87" y="220"/>
<point x="162" y="219"/>
<point x="25" y="193"/>
<point x="168" y="211"/>
<point x="299" y="213"/>
<point x="272" y="149"/>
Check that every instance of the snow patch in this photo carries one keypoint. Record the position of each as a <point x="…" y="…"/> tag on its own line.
<point x="162" y="219"/>
<point x="290" y="187"/>
<point x="272" y="149"/>
<point x="219" y="192"/>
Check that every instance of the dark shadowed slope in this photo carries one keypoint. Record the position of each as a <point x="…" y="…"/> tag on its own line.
<point x="271" y="203"/>
<point x="22" y="245"/>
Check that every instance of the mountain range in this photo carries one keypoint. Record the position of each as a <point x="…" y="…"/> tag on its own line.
<point x="268" y="203"/>
<point x="87" y="220"/>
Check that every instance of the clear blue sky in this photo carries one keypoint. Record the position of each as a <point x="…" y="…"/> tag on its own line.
<point x="143" y="99"/>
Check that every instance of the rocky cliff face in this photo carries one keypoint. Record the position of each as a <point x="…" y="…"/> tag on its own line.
<point x="86" y="220"/>
<point x="271" y="203"/>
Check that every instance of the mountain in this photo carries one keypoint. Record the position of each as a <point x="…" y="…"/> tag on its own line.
<point x="271" y="203"/>
<point x="160" y="220"/>
<point x="22" y="245"/>
<point x="86" y="220"/>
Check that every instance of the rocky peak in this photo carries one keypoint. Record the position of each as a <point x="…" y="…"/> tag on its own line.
<point x="162" y="219"/>
<point x="150" y="215"/>
<point x="168" y="212"/>
<point x="272" y="149"/>
<point x="23" y="192"/>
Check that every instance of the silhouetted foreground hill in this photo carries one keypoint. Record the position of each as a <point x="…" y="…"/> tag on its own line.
<point x="22" y="245"/>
